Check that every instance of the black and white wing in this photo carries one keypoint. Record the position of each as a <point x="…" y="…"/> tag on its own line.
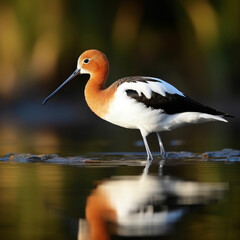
<point x="157" y="94"/>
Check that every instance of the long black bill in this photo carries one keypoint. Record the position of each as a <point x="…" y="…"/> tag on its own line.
<point x="75" y="73"/>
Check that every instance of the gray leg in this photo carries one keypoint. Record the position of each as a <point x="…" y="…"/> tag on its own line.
<point x="149" y="154"/>
<point x="162" y="150"/>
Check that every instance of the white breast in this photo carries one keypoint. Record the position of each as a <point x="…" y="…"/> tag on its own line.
<point x="127" y="112"/>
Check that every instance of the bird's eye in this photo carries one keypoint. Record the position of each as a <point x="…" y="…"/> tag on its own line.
<point x="86" y="60"/>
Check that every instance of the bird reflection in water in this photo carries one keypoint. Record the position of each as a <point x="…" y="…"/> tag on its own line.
<point x="142" y="206"/>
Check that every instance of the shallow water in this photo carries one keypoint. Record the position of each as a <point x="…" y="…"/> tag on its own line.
<point x="194" y="196"/>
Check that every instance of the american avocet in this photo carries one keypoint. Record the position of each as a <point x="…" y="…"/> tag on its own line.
<point x="145" y="103"/>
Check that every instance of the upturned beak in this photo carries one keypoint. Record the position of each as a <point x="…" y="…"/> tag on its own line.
<point x="74" y="74"/>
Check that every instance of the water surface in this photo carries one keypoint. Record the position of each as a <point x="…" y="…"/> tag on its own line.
<point x="195" y="196"/>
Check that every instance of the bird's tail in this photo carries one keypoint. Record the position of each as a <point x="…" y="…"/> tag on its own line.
<point x="219" y="118"/>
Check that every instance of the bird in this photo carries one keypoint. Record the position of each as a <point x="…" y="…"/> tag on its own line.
<point x="138" y="102"/>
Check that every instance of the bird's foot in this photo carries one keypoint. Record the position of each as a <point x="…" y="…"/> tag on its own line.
<point x="149" y="157"/>
<point x="148" y="163"/>
<point x="163" y="153"/>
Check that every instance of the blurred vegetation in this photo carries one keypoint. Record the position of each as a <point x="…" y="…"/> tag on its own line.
<point x="193" y="44"/>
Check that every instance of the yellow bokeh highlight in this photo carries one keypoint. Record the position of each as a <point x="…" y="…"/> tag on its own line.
<point x="10" y="49"/>
<point x="204" y="20"/>
<point x="45" y="55"/>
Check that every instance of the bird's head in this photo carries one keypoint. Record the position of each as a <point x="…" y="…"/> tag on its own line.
<point x="92" y="62"/>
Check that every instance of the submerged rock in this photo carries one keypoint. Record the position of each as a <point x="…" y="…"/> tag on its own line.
<point x="226" y="154"/>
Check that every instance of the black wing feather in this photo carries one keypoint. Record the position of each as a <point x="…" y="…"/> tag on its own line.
<point x="173" y="103"/>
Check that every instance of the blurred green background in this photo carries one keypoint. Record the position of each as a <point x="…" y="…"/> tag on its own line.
<point x="193" y="44"/>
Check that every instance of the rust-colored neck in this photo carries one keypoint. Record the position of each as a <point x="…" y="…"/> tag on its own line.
<point x="97" y="96"/>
